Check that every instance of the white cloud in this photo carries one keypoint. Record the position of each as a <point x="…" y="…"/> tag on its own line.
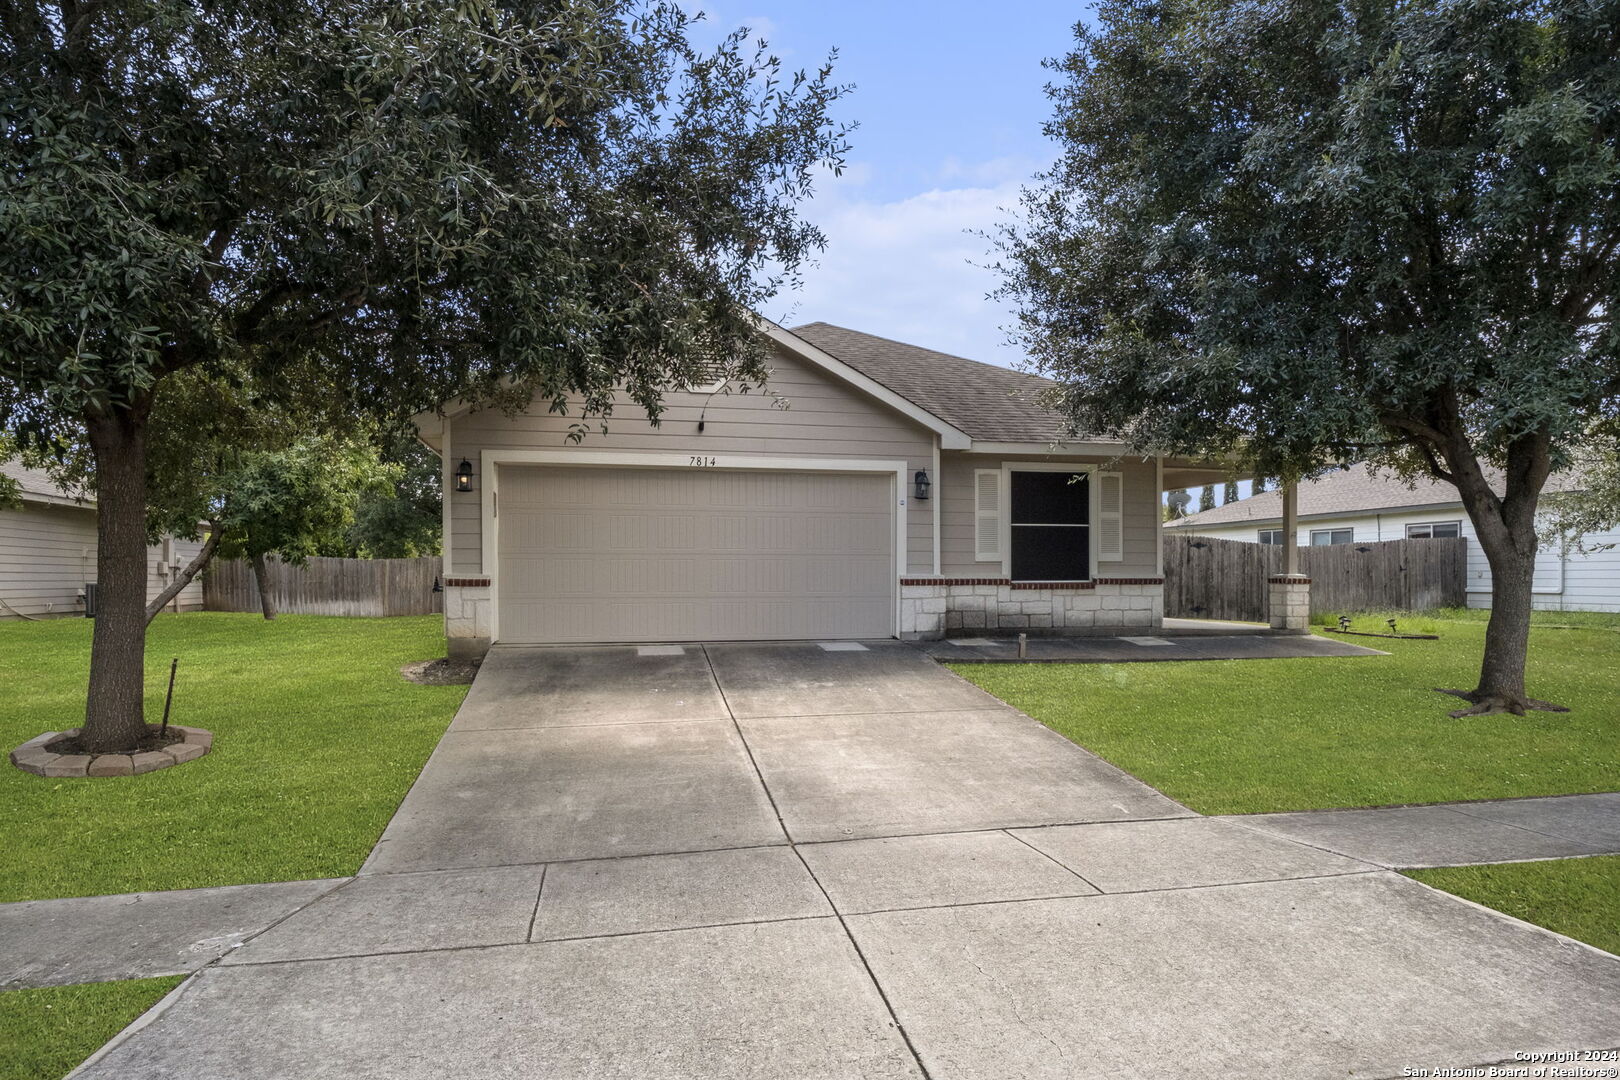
<point x="911" y="269"/>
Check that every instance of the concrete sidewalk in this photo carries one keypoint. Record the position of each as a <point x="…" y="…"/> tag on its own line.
<point x="1457" y="834"/>
<point x="784" y="861"/>
<point x="1167" y="646"/>
<point x="136" y="935"/>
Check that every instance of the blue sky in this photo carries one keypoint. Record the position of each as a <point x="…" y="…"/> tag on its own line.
<point x="949" y="98"/>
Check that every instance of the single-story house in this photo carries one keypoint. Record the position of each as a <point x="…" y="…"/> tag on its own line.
<point x="1357" y="506"/>
<point x="874" y="489"/>
<point x="48" y="552"/>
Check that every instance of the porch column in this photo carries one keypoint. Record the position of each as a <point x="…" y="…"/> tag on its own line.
<point x="1290" y="530"/>
<point x="1290" y="591"/>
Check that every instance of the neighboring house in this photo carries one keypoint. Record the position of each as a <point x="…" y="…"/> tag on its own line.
<point x="48" y="552"/>
<point x="1357" y="506"/>
<point x="899" y="492"/>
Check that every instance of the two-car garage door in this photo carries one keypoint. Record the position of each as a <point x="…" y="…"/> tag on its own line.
<point x="591" y="554"/>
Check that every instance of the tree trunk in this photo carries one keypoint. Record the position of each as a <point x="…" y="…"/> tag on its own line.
<point x="1506" y="530"/>
<point x="114" y="719"/>
<point x="261" y="574"/>
<point x="1507" y="634"/>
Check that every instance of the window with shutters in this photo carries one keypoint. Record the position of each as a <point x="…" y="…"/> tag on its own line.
<point x="1049" y="527"/>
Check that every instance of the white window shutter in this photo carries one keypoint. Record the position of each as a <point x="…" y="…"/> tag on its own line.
<point x="987" y="515"/>
<point x="1110" y="517"/>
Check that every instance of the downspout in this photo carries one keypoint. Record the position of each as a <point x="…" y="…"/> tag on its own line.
<point x="446" y="568"/>
<point x="1158" y="532"/>
<point x="939" y="488"/>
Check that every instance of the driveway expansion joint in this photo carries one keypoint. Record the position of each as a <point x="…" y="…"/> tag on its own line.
<point x="866" y="965"/>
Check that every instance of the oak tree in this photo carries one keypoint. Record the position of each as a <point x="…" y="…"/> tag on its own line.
<point x="1312" y="232"/>
<point x="402" y="200"/>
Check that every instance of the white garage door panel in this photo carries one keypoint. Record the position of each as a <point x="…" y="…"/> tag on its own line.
<point x="610" y="554"/>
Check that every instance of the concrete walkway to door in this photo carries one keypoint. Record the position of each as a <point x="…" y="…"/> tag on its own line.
<point x="804" y="861"/>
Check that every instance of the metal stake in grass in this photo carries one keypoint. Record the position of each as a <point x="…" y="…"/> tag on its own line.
<point x="168" y="699"/>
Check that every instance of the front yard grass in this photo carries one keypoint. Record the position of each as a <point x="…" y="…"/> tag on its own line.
<point x="1577" y="897"/>
<point x="45" y="1033"/>
<point x="1251" y="736"/>
<point x="317" y="740"/>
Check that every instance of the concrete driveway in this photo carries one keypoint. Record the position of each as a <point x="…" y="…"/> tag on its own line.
<point x="803" y="861"/>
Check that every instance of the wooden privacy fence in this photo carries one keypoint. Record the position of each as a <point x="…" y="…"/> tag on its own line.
<point x="328" y="586"/>
<point x="1205" y="578"/>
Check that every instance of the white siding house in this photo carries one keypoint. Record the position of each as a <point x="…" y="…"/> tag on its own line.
<point x="48" y="553"/>
<point x="1354" y="506"/>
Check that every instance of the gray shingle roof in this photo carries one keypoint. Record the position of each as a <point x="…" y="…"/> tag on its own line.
<point x="1352" y="491"/>
<point x="39" y="485"/>
<point x="985" y="401"/>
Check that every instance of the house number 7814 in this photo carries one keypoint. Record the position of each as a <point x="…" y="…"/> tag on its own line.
<point x="704" y="462"/>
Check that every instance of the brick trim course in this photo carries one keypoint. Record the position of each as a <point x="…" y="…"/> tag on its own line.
<point x="1092" y="584"/>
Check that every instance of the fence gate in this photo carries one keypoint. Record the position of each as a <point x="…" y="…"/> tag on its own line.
<point x="1206" y="578"/>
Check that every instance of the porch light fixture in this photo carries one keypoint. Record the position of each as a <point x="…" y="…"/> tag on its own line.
<point x="921" y="485"/>
<point x="464" y="475"/>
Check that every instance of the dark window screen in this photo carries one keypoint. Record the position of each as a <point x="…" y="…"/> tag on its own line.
<point x="1051" y="540"/>
<point x="1050" y="498"/>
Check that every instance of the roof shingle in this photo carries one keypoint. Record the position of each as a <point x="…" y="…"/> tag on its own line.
<point x="36" y="483"/>
<point x="1356" y="490"/>
<point x="987" y="402"/>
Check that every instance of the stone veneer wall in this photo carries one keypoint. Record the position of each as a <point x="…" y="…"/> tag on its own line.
<point x="466" y="617"/>
<point x="932" y="607"/>
<point x="1290" y="603"/>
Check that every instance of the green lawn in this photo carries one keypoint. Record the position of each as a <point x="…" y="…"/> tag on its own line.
<point x="317" y="740"/>
<point x="1248" y="736"/>
<point x="1577" y="897"/>
<point x="45" y="1033"/>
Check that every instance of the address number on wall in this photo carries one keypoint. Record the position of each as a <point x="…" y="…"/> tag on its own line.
<point x="700" y="462"/>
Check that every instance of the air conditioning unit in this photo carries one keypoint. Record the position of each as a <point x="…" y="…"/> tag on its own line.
<point x="89" y="599"/>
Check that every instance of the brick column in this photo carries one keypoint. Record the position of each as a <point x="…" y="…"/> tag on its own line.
<point x="1290" y="606"/>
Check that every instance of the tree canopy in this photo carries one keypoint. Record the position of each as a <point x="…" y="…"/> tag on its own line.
<point x="379" y="204"/>
<point x="1301" y="232"/>
<point x="405" y="519"/>
<point x="1589" y="504"/>
<point x="422" y="198"/>
<point x="1305" y="233"/>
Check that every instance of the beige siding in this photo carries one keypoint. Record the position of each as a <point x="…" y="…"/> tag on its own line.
<point x="47" y="553"/>
<point x="955" y="492"/>
<point x="164" y="560"/>
<point x="811" y="415"/>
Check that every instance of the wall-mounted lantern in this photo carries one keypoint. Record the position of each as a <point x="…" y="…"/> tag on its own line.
<point x="464" y="475"/>
<point x="921" y="485"/>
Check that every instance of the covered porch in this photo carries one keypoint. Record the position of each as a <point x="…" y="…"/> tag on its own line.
<point x="1289" y="592"/>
